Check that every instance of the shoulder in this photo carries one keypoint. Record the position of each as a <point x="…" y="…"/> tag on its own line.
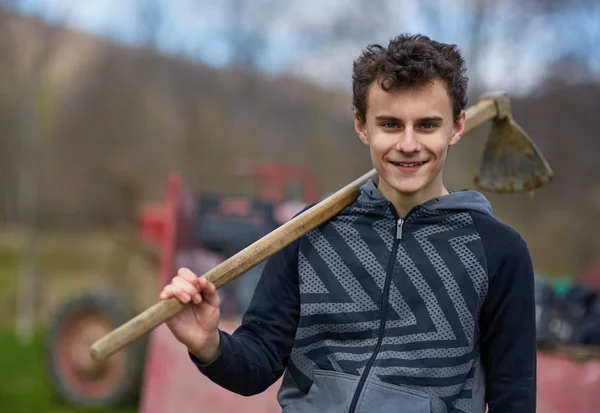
<point x="497" y="233"/>
<point x="502" y="244"/>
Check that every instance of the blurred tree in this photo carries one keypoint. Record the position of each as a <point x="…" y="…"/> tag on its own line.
<point x="244" y="27"/>
<point x="29" y="84"/>
<point x="483" y="30"/>
<point x="245" y="30"/>
<point x="576" y="27"/>
<point x="9" y="143"/>
<point x="150" y="20"/>
<point x="373" y="16"/>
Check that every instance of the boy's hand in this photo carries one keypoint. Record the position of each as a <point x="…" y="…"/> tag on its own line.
<point x="196" y="325"/>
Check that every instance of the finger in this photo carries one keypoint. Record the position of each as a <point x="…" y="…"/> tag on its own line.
<point x="189" y="287"/>
<point x="188" y="275"/>
<point x="191" y="278"/>
<point x="180" y="293"/>
<point x="185" y="286"/>
<point x="182" y="289"/>
<point x="166" y="293"/>
<point x="197" y="298"/>
<point x="209" y="293"/>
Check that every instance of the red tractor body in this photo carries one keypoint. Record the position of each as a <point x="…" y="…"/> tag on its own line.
<point x="199" y="232"/>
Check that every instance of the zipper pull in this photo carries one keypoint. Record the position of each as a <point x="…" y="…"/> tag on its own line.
<point x="399" y="228"/>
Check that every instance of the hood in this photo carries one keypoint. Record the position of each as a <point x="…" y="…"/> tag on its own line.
<point x="466" y="200"/>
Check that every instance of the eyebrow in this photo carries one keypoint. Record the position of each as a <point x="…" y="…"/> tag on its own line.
<point x="395" y="119"/>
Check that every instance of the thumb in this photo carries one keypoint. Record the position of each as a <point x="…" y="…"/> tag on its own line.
<point x="209" y="293"/>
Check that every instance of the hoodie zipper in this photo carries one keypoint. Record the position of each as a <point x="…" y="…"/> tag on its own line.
<point x="384" y="309"/>
<point x="399" y="226"/>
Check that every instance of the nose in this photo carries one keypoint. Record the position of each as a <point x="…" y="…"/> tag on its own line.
<point x="407" y="141"/>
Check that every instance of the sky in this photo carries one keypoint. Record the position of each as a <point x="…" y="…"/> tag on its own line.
<point x="201" y="29"/>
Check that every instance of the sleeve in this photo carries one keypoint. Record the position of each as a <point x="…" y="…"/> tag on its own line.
<point x="508" y="329"/>
<point x="256" y="354"/>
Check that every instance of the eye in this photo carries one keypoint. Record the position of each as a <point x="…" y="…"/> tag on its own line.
<point x="388" y="125"/>
<point x="428" y="126"/>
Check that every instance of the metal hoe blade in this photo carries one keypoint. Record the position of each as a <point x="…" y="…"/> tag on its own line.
<point x="511" y="160"/>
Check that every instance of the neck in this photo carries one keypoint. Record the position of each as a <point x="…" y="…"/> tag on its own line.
<point x="404" y="202"/>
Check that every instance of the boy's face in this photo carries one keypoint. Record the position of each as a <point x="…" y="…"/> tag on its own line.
<point x="408" y="132"/>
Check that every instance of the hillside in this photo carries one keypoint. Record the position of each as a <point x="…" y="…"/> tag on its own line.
<point x="104" y="108"/>
<point x="110" y="119"/>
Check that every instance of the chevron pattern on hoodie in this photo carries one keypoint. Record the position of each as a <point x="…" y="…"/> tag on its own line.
<point x="437" y="287"/>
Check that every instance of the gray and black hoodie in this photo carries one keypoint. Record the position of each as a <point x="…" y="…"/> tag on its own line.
<point x="371" y="312"/>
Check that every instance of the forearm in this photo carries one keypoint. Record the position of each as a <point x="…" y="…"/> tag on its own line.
<point x="256" y="354"/>
<point x="510" y="348"/>
<point x="510" y="358"/>
<point x="512" y="395"/>
<point x="242" y="365"/>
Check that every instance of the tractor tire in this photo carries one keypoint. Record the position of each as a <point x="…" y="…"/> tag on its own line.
<point x="74" y="376"/>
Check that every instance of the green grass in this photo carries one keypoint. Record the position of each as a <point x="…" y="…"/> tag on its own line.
<point x="24" y="383"/>
<point x="65" y="263"/>
<point x="9" y="265"/>
<point x="68" y="263"/>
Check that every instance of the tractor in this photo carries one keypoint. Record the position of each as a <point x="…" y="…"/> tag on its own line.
<point x="185" y="230"/>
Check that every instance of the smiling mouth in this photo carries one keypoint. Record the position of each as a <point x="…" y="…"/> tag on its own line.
<point x="408" y="164"/>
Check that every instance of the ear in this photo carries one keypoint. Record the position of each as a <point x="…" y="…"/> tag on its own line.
<point x="361" y="129"/>
<point x="458" y="128"/>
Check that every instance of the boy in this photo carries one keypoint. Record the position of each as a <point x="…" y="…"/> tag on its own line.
<point x="413" y="299"/>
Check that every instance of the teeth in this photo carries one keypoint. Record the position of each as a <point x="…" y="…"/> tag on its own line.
<point x="408" y="165"/>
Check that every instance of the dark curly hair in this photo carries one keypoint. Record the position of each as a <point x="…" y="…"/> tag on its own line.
<point x="409" y="61"/>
